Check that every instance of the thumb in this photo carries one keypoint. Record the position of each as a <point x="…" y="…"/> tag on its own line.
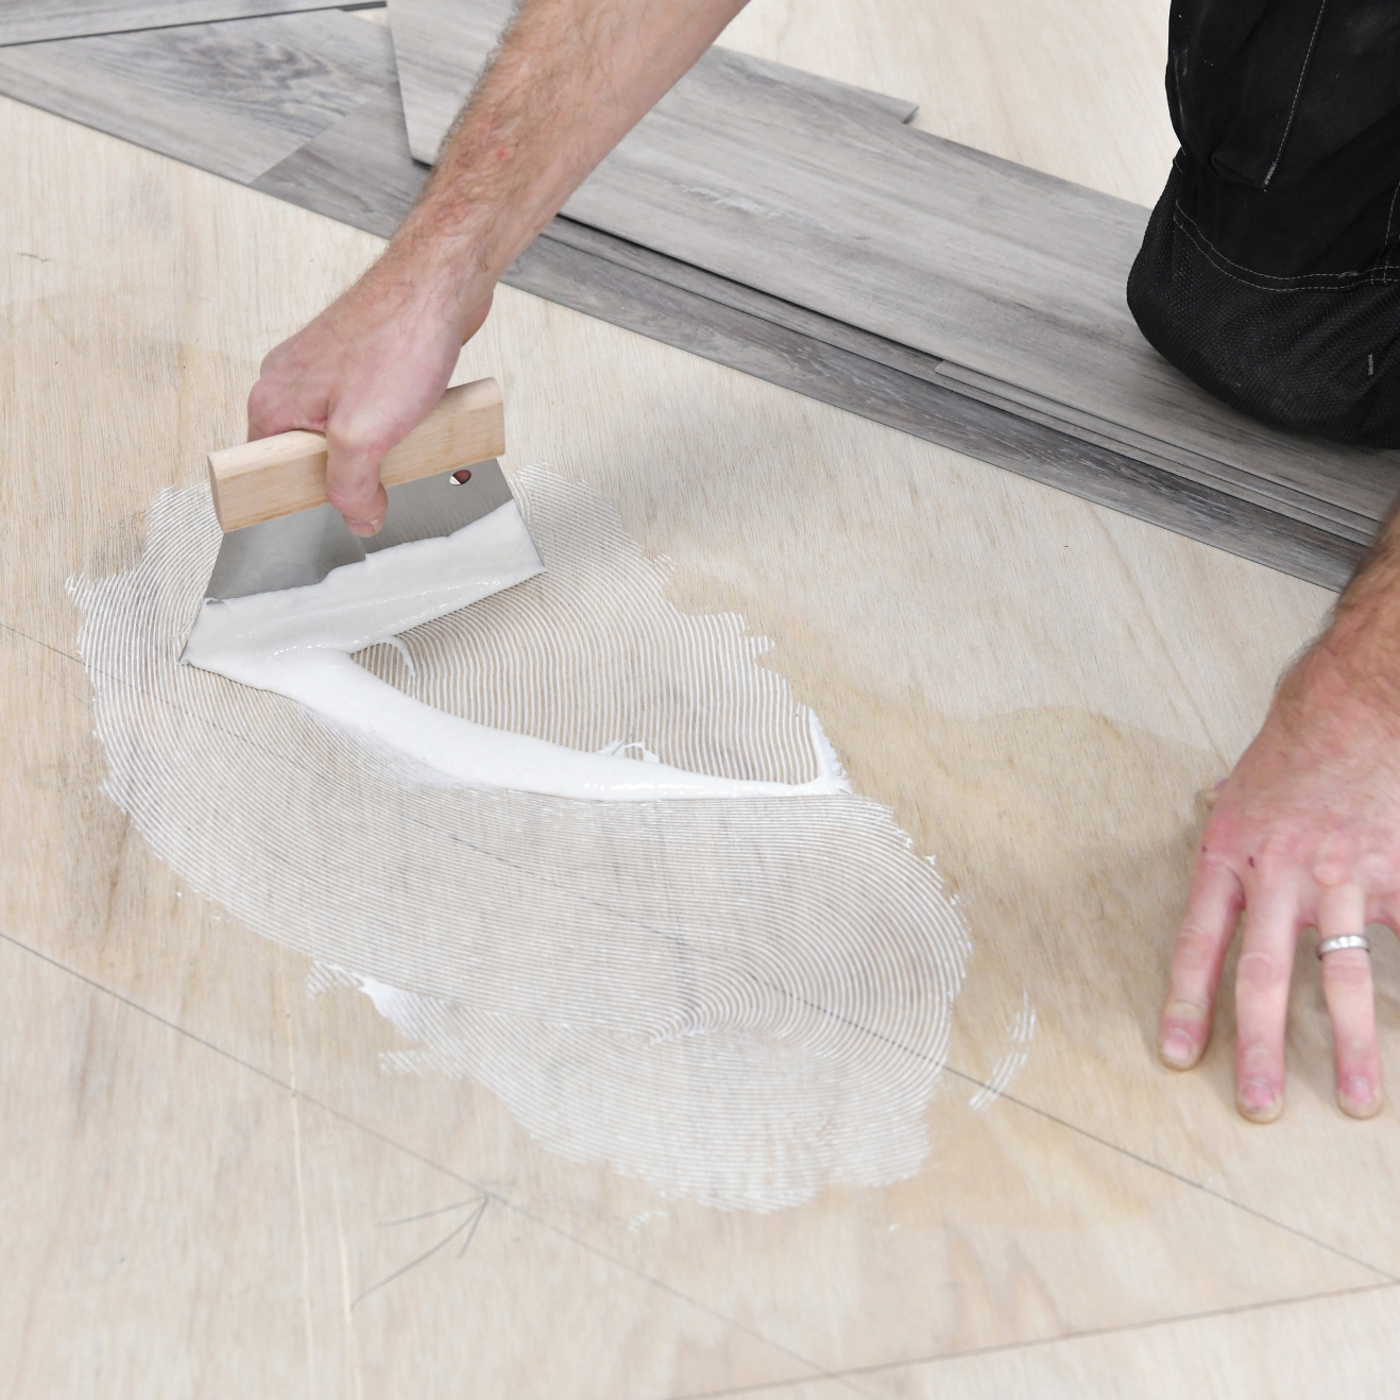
<point x="352" y="476"/>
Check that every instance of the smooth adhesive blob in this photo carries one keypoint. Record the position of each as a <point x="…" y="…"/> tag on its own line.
<point x="592" y="656"/>
<point x="741" y="1000"/>
<point x="298" y="642"/>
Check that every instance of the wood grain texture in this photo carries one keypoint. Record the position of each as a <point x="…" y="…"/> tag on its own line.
<point x="358" y="170"/>
<point x="440" y="50"/>
<point x="586" y="280"/>
<point x="32" y="21"/>
<point x="1268" y="1351"/>
<point x="998" y="268"/>
<point x="232" y="98"/>
<point x="211" y="1175"/>
<point x="280" y="475"/>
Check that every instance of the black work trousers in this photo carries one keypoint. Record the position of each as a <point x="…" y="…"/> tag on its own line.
<point x="1270" y="271"/>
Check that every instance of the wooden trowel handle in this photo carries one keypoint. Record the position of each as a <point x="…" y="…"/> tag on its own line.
<point x="280" y="475"/>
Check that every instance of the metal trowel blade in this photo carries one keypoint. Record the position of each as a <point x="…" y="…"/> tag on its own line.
<point x="295" y="551"/>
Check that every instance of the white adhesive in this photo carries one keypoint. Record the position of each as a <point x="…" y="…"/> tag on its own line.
<point x="1012" y="1060"/>
<point x="298" y="642"/>
<point x="743" y="1000"/>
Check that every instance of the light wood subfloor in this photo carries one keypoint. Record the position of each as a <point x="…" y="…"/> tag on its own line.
<point x="210" y="1189"/>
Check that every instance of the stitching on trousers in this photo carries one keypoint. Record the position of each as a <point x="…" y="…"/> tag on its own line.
<point x="1389" y="221"/>
<point x="1304" y="282"/>
<point x="1302" y="78"/>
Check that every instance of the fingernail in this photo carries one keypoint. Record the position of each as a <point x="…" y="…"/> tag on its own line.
<point x="1358" y="1092"/>
<point x="1256" y="1096"/>
<point x="362" y="527"/>
<point x="1176" y="1048"/>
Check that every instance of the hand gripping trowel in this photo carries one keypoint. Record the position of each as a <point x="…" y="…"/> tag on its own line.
<point x="275" y="584"/>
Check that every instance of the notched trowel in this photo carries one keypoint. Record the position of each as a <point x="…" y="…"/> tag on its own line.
<point x="280" y="532"/>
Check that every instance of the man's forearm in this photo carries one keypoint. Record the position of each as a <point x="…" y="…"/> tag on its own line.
<point x="570" y="79"/>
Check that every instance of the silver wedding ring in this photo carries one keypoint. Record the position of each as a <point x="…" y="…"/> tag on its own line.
<point x="1346" y="940"/>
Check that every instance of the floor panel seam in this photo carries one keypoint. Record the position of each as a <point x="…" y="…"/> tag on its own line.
<point x="1386" y="1275"/>
<point x="817" y="1372"/>
<point x="1088" y="1333"/>
<point x="1032" y="1343"/>
<point x="192" y="24"/>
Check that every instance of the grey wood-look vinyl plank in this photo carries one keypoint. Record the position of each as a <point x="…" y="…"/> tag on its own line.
<point x="358" y="171"/>
<point x="787" y="314"/>
<point x="1005" y="271"/>
<point x="442" y="47"/>
<point x="854" y="103"/>
<point x="234" y="98"/>
<point x="1307" y="508"/>
<point x="938" y="413"/>
<point x="32" y="21"/>
<point x="1008" y="272"/>
<point x="439" y="51"/>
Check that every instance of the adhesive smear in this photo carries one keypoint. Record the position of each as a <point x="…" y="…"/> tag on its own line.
<point x="741" y="995"/>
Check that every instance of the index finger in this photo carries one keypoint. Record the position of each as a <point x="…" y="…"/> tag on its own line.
<point x="353" y="455"/>
<point x="1212" y="915"/>
<point x="277" y="404"/>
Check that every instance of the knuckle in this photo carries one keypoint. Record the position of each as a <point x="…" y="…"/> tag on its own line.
<point x="1221" y="828"/>
<point x="1271" y="859"/>
<point x="350" y="441"/>
<point x="1218" y="844"/>
<point x="1230" y="845"/>
<point x="1260" y="971"/>
<point x="1195" y="949"/>
<point x="262" y="401"/>
<point x="1185" y="1012"/>
<point x="365" y="437"/>
<point x="1333" y="859"/>
<point x="1194" y="937"/>
<point x="1255" y="1054"/>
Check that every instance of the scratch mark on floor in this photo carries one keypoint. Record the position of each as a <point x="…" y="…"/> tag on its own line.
<point x="469" y="1226"/>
